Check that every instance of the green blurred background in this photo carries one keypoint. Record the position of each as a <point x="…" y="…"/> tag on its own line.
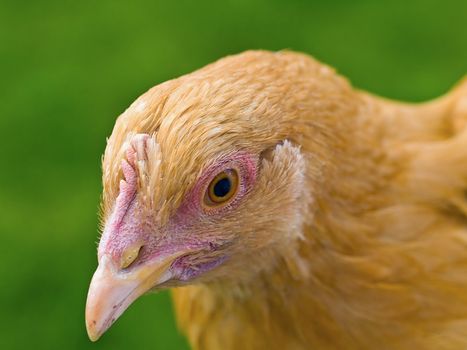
<point x="68" y="68"/>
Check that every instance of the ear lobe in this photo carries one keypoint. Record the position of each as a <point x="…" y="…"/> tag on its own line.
<point x="284" y="152"/>
<point x="268" y="152"/>
<point x="279" y="203"/>
<point x="284" y="166"/>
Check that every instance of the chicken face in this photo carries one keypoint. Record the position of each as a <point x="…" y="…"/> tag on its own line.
<point x="228" y="216"/>
<point x="199" y="187"/>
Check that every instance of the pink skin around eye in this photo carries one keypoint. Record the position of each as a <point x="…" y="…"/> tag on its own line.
<point x="246" y="166"/>
<point x="126" y="227"/>
<point x="192" y="208"/>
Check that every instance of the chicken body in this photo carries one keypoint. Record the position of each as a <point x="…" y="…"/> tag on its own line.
<point x="356" y="238"/>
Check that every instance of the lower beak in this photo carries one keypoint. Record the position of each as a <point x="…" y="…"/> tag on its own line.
<point x="112" y="291"/>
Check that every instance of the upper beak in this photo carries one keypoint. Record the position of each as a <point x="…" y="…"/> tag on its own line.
<point x="112" y="291"/>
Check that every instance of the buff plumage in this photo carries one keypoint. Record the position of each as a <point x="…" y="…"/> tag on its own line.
<point x="360" y="243"/>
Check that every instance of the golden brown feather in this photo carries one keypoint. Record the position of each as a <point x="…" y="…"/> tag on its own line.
<point x="362" y="243"/>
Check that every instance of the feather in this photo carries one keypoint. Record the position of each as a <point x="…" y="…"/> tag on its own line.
<point x="354" y="234"/>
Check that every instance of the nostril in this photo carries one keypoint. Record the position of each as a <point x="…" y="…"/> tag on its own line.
<point x="129" y="255"/>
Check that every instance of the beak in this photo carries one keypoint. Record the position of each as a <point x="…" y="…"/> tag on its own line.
<point x="112" y="291"/>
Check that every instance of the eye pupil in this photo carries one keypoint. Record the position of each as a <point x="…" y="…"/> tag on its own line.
<point x="222" y="187"/>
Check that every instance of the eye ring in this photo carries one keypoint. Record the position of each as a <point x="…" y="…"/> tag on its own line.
<point x="222" y="188"/>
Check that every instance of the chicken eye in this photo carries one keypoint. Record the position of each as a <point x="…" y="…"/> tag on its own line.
<point x="222" y="188"/>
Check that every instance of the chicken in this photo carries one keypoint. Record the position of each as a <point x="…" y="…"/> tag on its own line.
<point x="290" y="210"/>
